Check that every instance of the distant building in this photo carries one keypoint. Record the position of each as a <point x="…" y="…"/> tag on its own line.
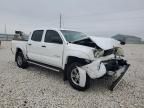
<point x="128" y="39"/>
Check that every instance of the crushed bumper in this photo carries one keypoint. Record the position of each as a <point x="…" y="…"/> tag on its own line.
<point x="96" y="69"/>
<point x="102" y="67"/>
<point x="116" y="82"/>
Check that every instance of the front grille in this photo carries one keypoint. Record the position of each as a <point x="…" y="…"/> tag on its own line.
<point x="113" y="65"/>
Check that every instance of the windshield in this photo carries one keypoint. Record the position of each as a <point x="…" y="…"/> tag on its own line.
<point x="72" y="36"/>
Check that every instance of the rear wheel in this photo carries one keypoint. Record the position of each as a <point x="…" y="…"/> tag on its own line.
<point x="21" y="61"/>
<point x="74" y="77"/>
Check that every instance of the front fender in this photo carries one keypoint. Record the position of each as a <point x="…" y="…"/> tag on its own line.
<point x="74" y="53"/>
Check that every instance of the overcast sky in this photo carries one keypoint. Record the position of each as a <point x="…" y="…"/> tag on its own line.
<point x="99" y="17"/>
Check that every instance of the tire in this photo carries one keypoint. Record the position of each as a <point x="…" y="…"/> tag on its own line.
<point x="73" y="83"/>
<point x="21" y="61"/>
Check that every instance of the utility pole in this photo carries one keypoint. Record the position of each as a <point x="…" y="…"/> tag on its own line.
<point x="5" y="29"/>
<point x="60" y="21"/>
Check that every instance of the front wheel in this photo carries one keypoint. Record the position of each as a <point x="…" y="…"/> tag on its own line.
<point x="74" y="77"/>
<point x="21" y="61"/>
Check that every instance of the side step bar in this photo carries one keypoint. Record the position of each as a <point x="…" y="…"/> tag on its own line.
<point x="115" y="83"/>
<point x="44" y="66"/>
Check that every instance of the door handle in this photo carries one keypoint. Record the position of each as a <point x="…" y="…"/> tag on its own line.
<point x="29" y="44"/>
<point x="43" y="46"/>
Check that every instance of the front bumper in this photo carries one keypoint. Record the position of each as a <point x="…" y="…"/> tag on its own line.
<point x="119" y="77"/>
<point x="106" y="66"/>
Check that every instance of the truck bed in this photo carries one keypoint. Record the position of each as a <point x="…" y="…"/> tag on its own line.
<point x="18" y="43"/>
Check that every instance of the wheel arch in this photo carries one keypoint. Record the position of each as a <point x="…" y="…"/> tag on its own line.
<point x="19" y="50"/>
<point x="72" y="59"/>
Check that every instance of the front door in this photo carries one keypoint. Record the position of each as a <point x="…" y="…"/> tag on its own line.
<point x="52" y="48"/>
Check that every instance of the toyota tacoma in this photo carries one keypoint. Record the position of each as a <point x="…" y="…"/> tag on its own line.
<point x="78" y="56"/>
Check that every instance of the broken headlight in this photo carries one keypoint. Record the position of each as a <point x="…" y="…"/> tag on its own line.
<point x="119" y="52"/>
<point x="98" y="53"/>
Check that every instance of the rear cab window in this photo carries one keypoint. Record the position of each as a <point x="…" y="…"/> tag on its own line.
<point x="37" y="35"/>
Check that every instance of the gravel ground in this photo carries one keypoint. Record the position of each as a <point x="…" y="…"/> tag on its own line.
<point x="36" y="87"/>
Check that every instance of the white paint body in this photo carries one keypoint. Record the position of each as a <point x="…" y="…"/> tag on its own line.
<point x="105" y="43"/>
<point x="57" y="54"/>
<point x="95" y="69"/>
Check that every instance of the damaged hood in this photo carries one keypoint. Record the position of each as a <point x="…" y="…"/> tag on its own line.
<point x="105" y="43"/>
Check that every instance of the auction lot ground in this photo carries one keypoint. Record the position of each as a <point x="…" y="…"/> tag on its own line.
<point x="36" y="87"/>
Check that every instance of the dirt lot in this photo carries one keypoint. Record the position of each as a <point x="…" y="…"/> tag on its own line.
<point x="36" y="87"/>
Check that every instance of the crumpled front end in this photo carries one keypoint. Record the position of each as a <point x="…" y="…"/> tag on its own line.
<point x="106" y="58"/>
<point x="104" y="65"/>
<point x="96" y="69"/>
<point x="111" y="65"/>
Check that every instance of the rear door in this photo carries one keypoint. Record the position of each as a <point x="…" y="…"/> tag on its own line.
<point x="52" y="48"/>
<point x="34" y="46"/>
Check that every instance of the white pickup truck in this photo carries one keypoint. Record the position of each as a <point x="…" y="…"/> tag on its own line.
<point x="77" y="55"/>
